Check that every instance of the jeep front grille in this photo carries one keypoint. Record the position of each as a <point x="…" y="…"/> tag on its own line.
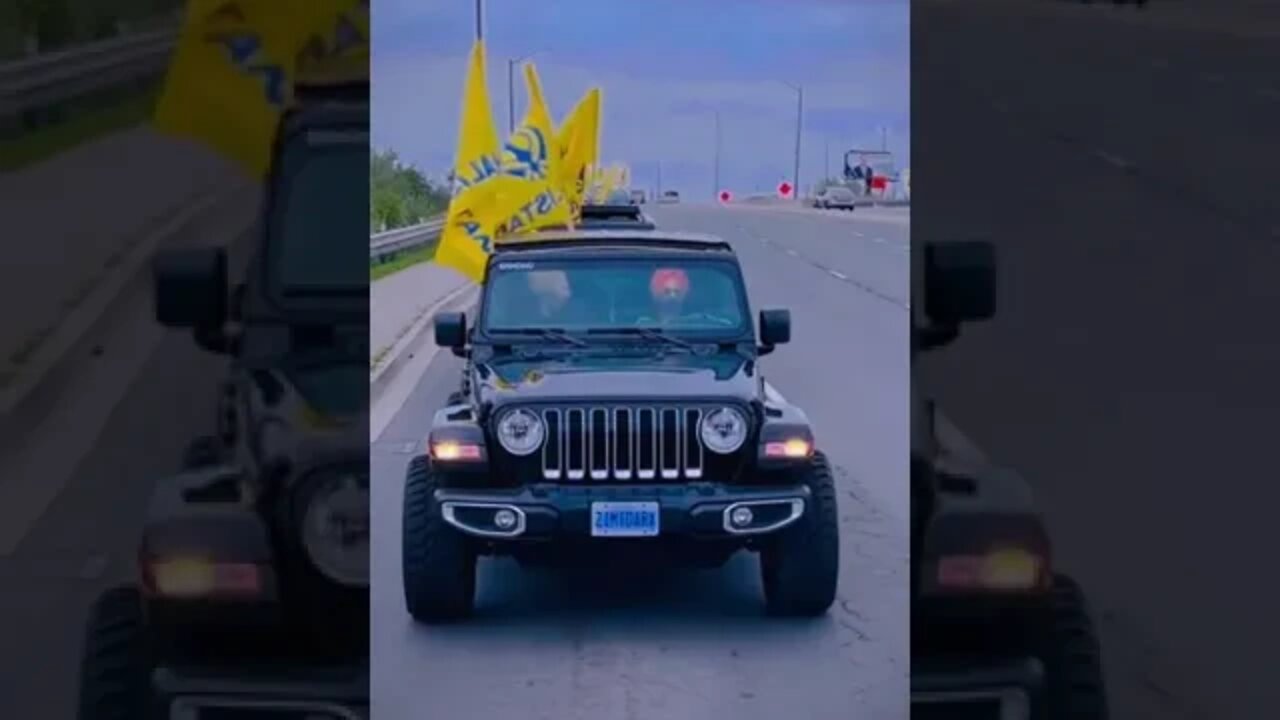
<point x="622" y="443"/>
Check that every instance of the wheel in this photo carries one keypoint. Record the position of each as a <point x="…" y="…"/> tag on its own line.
<point x="439" y="565"/>
<point x="457" y="397"/>
<point x="801" y="567"/>
<point x="1072" y="657"/>
<point x="114" y="665"/>
<point x="202" y="452"/>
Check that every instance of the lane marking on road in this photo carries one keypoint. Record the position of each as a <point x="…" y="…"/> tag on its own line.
<point x="858" y="234"/>
<point x="387" y="356"/>
<point x="850" y="281"/>
<point x="386" y="404"/>
<point x="33" y="476"/>
<point x="91" y="309"/>
<point x="877" y="240"/>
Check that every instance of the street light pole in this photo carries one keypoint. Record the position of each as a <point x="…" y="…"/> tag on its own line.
<point x="715" y="191"/>
<point x="511" y="90"/>
<point x="511" y="96"/>
<point x="826" y="159"/>
<point x="479" y="20"/>
<point x="795" y="183"/>
<point x="795" y="179"/>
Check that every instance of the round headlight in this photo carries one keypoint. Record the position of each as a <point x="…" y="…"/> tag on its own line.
<point x="335" y="530"/>
<point x="520" y="432"/>
<point x="723" y="430"/>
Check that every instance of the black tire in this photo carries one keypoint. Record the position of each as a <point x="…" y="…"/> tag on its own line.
<point x="114" y="665"/>
<point x="1072" y="657"/>
<point x="457" y="397"/>
<point x="801" y="567"/>
<point x="202" y="452"/>
<point x="439" y="565"/>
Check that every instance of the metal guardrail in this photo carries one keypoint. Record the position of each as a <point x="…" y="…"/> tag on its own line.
<point x="47" y="79"/>
<point x="387" y="245"/>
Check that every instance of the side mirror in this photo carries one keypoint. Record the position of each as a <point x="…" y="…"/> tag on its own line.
<point x="959" y="282"/>
<point x="775" y="329"/>
<point x="451" y="331"/>
<point x="191" y="288"/>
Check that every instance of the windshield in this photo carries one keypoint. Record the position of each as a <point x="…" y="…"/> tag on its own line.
<point x="317" y="243"/>
<point x="679" y="294"/>
<point x="619" y="197"/>
<point x="840" y="193"/>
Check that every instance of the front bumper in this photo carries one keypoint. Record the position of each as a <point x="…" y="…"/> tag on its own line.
<point x="1010" y="689"/>
<point x="269" y="693"/>
<point x="694" y="511"/>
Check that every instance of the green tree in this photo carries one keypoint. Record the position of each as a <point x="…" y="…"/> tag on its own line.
<point x="399" y="193"/>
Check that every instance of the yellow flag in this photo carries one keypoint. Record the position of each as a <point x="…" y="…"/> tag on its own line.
<point x="532" y="158"/>
<point x="233" y="71"/>
<point x="338" y="50"/>
<point x="609" y="182"/>
<point x="474" y="210"/>
<point x="579" y="141"/>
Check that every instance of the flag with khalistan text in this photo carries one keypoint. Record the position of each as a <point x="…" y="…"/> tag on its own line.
<point x="233" y="72"/>
<point x="477" y="206"/>
<point x="531" y="157"/>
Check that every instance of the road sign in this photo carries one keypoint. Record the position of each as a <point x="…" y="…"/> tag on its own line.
<point x="725" y="196"/>
<point x="784" y="189"/>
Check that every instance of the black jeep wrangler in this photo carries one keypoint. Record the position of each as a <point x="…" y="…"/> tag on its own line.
<point x="614" y="216"/>
<point x="252" y="597"/>
<point x="996" y="632"/>
<point x="613" y="401"/>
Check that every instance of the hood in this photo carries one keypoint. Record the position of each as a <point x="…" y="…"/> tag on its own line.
<point x="722" y="376"/>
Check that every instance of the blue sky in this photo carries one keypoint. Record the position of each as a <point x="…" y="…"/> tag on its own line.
<point x="665" y="68"/>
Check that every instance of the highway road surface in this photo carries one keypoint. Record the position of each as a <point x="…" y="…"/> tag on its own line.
<point x="76" y="478"/>
<point x="694" y="645"/>
<point x="1131" y="372"/>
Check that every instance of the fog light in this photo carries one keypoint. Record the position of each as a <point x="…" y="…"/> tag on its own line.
<point x="741" y="517"/>
<point x="504" y="519"/>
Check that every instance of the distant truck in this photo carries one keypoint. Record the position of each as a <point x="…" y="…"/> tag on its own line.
<point x="638" y="197"/>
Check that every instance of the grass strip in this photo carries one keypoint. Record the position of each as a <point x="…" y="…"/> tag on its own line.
<point x="426" y="253"/>
<point x="83" y="126"/>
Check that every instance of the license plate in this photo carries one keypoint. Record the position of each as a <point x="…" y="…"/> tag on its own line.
<point x="624" y="519"/>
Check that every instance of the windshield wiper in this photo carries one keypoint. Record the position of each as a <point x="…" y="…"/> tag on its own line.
<point x="646" y="333"/>
<point x="558" y="334"/>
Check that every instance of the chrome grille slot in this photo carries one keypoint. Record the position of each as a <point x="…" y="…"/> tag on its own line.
<point x="598" y="442"/>
<point x="553" y="446"/>
<point x="575" y="429"/>
<point x="646" y="443"/>
<point x="669" y="442"/>
<point x="692" y="443"/>
<point x="620" y="443"/>
<point x="624" y="445"/>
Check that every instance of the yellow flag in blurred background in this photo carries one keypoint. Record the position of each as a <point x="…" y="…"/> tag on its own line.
<point x="579" y="140"/>
<point x="233" y="73"/>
